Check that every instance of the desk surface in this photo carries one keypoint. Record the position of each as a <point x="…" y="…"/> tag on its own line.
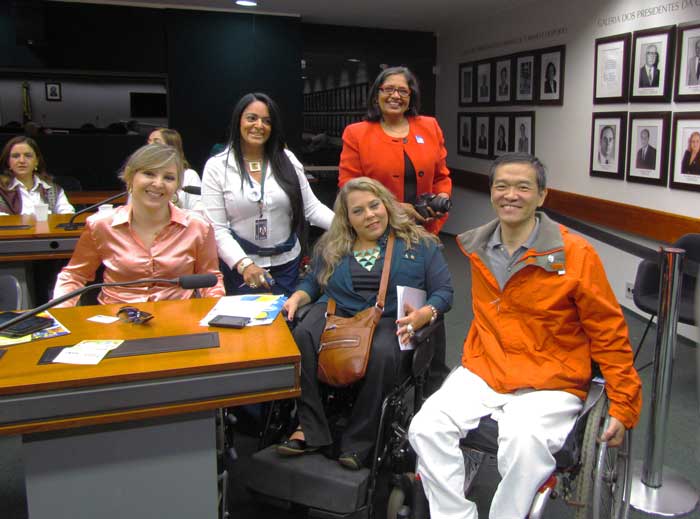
<point x="43" y="240"/>
<point x="246" y="350"/>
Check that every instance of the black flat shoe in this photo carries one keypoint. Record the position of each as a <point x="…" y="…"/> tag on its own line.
<point x="350" y="461"/>
<point x="291" y="447"/>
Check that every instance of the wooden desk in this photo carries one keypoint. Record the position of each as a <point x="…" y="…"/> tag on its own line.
<point x="135" y="436"/>
<point x="43" y="240"/>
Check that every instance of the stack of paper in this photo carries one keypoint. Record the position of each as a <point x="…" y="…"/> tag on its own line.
<point x="261" y="309"/>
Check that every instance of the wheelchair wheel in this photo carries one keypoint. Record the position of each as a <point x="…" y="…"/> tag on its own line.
<point x="604" y="472"/>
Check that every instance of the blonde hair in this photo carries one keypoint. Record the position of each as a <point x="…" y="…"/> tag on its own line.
<point x="338" y="241"/>
<point x="151" y="157"/>
<point x="691" y="138"/>
<point x="174" y="139"/>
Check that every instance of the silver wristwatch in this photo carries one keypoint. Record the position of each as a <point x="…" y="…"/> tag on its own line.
<point x="243" y="264"/>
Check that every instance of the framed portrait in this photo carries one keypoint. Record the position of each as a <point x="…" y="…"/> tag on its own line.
<point x="551" y="89"/>
<point x="482" y="134"/>
<point x="688" y="63"/>
<point x="503" y="81"/>
<point x="685" y="151"/>
<point x="647" y="158"/>
<point x="483" y="83"/>
<point x="465" y="134"/>
<point x="53" y="91"/>
<point x="466" y="84"/>
<point x="525" y="75"/>
<point x="612" y="69"/>
<point x="652" y="65"/>
<point x="502" y="134"/>
<point x="524" y="132"/>
<point x="608" y="139"/>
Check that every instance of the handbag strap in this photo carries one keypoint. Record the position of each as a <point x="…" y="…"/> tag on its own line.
<point x="383" y="284"/>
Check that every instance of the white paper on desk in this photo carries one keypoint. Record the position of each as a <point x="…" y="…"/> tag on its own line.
<point x="86" y="352"/>
<point x="415" y="297"/>
<point x="260" y="308"/>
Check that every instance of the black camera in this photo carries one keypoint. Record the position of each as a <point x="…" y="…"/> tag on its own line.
<point x="439" y="204"/>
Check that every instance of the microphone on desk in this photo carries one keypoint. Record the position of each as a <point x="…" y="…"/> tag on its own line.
<point x="192" y="190"/>
<point x="188" y="282"/>
<point x="72" y="226"/>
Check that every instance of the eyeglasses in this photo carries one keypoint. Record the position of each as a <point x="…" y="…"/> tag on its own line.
<point x="131" y="314"/>
<point x="389" y="91"/>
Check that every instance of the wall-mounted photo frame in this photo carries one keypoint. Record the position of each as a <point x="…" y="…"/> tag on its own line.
<point x="688" y="63"/>
<point x="502" y="134"/>
<point x="466" y="84"/>
<point x="482" y="136"/>
<point x="652" y="64"/>
<point x="465" y="134"/>
<point x="525" y="78"/>
<point x="685" y="151"/>
<point x="53" y="91"/>
<point x="484" y="82"/>
<point x="608" y="140"/>
<point x="647" y="158"/>
<point x="612" y="69"/>
<point x="524" y="132"/>
<point x="551" y="89"/>
<point x="503" y="86"/>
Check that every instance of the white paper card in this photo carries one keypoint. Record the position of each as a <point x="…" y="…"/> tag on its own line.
<point x="86" y="352"/>
<point x="416" y="297"/>
<point x="104" y="319"/>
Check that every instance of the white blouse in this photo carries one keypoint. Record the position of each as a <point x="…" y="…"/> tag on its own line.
<point x="33" y="196"/>
<point x="228" y="206"/>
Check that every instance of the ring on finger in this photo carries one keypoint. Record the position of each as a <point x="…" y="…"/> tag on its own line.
<point x="262" y="279"/>
<point x="409" y="328"/>
<point x="411" y="333"/>
<point x="253" y="285"/>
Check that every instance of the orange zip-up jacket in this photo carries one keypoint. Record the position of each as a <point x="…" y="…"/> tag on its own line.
<point x="555" y="315"/>
<point x="369" y="152"/>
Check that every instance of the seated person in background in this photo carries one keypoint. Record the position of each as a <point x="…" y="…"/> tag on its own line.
<point x="146" y="238"/>
<point x="24" y="180"/>
<point x="543" y="311"/>
<point x="347" y="267"/>
<point x="190" y="178"/>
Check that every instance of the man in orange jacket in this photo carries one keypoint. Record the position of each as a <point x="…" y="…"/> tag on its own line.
<point x="543" y="311"/>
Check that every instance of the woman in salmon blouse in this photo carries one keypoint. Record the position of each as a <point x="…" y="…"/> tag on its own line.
<point x="149" y="237"/>
<point x="396" y="146"/>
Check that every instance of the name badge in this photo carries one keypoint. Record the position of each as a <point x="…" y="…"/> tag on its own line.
<point x="261" y="229"/>
<point x="419" y="139"/>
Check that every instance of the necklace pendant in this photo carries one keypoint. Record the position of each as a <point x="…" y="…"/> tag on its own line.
<point x="255" y="166"/>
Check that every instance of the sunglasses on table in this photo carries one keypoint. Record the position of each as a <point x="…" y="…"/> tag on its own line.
<point x="131" y="314"/>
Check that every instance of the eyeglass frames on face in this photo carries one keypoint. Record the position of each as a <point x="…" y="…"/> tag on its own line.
<point x="131" y="314"/>
<point x="389" y="91"/>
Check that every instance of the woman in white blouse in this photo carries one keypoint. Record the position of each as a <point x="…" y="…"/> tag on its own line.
<point x="25" y="182"/>
<point x="257" y="197"/>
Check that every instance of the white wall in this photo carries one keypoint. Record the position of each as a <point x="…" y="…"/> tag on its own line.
<point x="83" y="101"/>
<point x="562" y="138"/>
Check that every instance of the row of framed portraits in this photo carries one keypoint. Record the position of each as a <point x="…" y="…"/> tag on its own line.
<point x="640" y="151"/>
<point x="650" y="77"/>
<point x="532" y="77"/>
<point x="490" y="134"/>
<point x="347" y="98"/>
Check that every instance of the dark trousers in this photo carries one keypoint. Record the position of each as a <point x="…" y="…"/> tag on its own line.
<point x="382" y="373"/>
<point x="285" y="276"/>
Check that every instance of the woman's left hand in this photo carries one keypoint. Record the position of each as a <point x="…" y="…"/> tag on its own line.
<point x="413" y="321"/>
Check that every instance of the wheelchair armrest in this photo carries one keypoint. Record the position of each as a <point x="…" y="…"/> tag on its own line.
<point x="301" y="313"/>
<point x="425" y="348"/>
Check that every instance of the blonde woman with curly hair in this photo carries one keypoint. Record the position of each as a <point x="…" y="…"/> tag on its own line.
<point x="347" y="266"/>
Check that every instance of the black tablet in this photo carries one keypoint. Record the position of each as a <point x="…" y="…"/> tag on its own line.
<point x="22" y="328"/>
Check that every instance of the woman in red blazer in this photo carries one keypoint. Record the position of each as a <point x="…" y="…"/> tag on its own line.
<point x="396" y="146"/>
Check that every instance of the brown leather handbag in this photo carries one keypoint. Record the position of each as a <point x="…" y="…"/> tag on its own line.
<point x="347" y="341"/>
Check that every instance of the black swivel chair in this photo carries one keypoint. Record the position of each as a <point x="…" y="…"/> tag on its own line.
<point x="10" y="293"/>
<point x="648" y="280"/>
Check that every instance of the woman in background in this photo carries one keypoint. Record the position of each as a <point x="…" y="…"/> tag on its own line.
<point x="257" y="196"/>
<point x="185" y="200"/>
<point x="396" y="146"/>
<point x="149" y="237"/>
<point x="25" y="182"/>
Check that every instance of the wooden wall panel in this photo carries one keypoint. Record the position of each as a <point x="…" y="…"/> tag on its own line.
<point x="647" y="223"/>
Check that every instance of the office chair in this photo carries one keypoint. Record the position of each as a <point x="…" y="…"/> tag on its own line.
<point x="10" y="293"/>
<point x="647" y="285"/>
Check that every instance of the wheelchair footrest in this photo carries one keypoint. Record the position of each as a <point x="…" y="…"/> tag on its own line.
<point x="310" y="480"/>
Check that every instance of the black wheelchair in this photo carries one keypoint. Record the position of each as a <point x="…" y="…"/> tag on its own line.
<point x="592" y="478"/>
<point x="319" y="484"/>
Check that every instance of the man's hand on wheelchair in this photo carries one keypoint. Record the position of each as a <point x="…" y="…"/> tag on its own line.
<point x="614" y="434"/>
<point x="413" y="321"/>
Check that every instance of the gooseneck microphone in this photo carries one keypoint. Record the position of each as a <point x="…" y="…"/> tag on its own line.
<point x="192" y="190"/>
<point x="188" y="282"/>
<point x="72" y="226"/>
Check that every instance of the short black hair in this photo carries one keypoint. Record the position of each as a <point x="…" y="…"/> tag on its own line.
<point x="373" y="111"/>
<point x="520" y="158"/>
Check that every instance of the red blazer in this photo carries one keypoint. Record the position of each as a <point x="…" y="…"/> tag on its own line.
<point x="368" y="151"/>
